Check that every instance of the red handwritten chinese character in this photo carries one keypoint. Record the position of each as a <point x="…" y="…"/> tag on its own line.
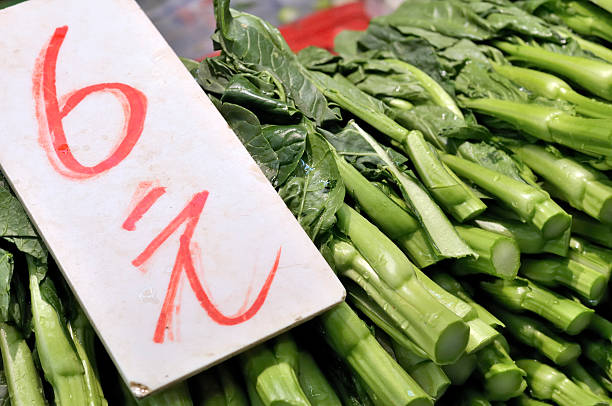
<point x="184" y="263"/>
<point x="50" y="112"/>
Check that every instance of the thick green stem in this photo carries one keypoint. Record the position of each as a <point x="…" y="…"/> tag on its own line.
<point x="351" y="339"/>
<point x="523" y="295"/>
<point x="550" y="124"/>
<point x="535" y="334"/>
<point x="584" y="188"/>
<point x="425" y="372"/>
<point x="437" y="330"/>
<point x="285" y="350"/>
<point x="498" y="255"/>
<point x="591" y="255"/>
<point x="600" y="352"/>
<point x="314" y="384"/>
<point x="358" y="103"/>
<point x="554" y="88"/>
<point x="593" y="75"/>
<point x="524" y="400"/>
<point x="366" y="304"/>
<point x="59" y="360"/>
<point x="591" y="229"/>
<point x="471" y="397"/>
<point x="25" y="388"/>
<point x="481" y="334"/>
<point x="83" y="337"/>
<point x="531" y="204"/>
<point x="447" y="189"/>
<point x="451" y="285"/>
<point x="547" y="383"/>
<point x="583" y="378"/>
<point x="556" y="271"/>
<point x="602" y="327"/>
<point x="593" y="47"/>
<point x="275" y="381"/>
<point x="392" y="219"/>
<point x="207" y="389"/>
<point x="460" y="371"/>
<point x="441" y="232"/>
<point x="176" y="395"/>
<point x="502" y="379"/>
<point x="528" y="238"/>
<point x="587" y="19"/>
<point x="436" y="92"/>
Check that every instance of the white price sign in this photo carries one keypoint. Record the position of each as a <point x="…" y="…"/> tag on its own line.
<point x="178" y="248"/>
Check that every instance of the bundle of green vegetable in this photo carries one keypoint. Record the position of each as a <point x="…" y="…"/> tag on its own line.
<point x="452" y="180"/>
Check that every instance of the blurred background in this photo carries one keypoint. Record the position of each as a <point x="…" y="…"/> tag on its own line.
<point x="188" y="24"/>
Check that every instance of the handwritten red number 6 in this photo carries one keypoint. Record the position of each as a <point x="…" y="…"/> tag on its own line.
<point x="51" y="111"/>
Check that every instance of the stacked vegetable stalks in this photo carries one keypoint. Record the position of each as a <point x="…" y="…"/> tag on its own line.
<point x="393" y="118"/>
<point x="469" y="280"/>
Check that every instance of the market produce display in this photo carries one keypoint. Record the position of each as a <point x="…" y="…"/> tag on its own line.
<point x="451" y="163"/>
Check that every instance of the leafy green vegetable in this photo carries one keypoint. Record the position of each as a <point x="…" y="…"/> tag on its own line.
<point x="249" y="40"/>
<point x="314" y="192"/>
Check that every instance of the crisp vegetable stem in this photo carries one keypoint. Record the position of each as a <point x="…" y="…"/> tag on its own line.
<point x="583" y="378"/>
<point x="435" y="91"/>
<point x="275" y="381"/>
<point x="554" y="271"/>
<point x="528" y="238"/>
<point x="600" y="352"/>
<point x="82" y="335"/>
<point x="547" y="383"/>
<point x="314" y="384"/>
<point x="451" y="285"/>
<point x="460" y="371"/>
<point x="393" y="220"/>
<point x="593" y="47"/>
<point x="593" y="75"/>
<point x="531" y="204"/>
<point x="425" y="372"/>
<point x="601" y="326"/>
<point x="591" y="255"/>
<point x="379" y="262"/>
<point x="350" y="338"/>
<point x="502" y="378"/>
<point x="587" y="19"/>
<point x="591" y="229"/>
<point x="550" y="124"/>
<point x="552" y="87"/>
<point x="498" y="255"/>
<point x="521" y="294"/>
<point x="584" y="188"/>
<point x="448" y="190"/>
<point x="535" y="334"/>
<point x="25" y="388"/>
<point x="441" y="232"/>
<point x="176" y="395"/>
<point x="60" y="362"/>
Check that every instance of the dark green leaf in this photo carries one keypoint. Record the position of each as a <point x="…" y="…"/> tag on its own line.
<point x="240" y="90"/>
<point x="289" y="143"/>
<point x="488" y="156"/>
<point x="315" y="191"/>
<point x="6" y="275"/>
<point x="439" y="122"/>
<point x="15" y="226"/>
<point x="247" y="127"/>
<point x="477" y="80"/>
<point x="315" y="58"/>
<point x="250" y="41"/>
<point x="443" y="16"/>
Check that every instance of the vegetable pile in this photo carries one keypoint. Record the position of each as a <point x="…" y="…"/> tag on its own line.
<point x="451" y="162"/>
